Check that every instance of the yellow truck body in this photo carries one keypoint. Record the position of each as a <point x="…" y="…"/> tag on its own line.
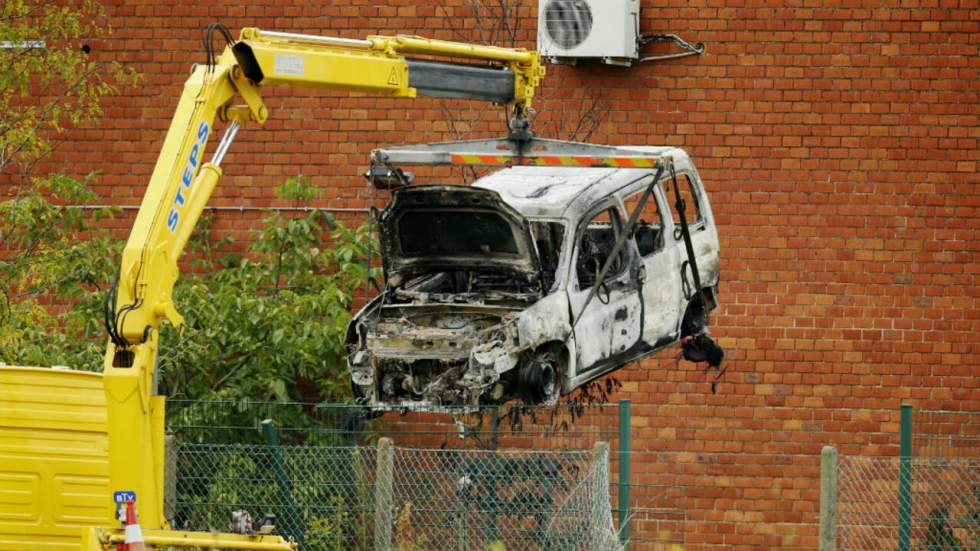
<point x="54" y="457"/>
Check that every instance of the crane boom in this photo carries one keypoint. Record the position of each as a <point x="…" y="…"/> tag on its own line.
<point x="182" y="182"/>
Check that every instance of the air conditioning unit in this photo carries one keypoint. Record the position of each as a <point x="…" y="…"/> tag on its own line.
<point x="606" y="30"/>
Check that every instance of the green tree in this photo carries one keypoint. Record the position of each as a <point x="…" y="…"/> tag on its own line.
<point x="49" y="79"/>
<point x="52" y="257"/>
<point x="55" y="265"/>
<point x="268" y="325"/>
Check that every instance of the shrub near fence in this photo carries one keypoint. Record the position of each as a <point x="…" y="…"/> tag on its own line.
<point x="321" y="496"/>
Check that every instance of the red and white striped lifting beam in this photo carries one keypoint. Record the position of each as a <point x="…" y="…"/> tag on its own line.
<point x="552" y="160"/>
<point x="537" y="152"/>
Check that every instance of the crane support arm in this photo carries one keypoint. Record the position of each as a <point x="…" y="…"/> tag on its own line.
<point x="380" y="65"/>
<point x="182" y="182"/>
<point x="178" y="190"/>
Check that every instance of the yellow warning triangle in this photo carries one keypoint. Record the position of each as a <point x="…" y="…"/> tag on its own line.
<point x="393" y="77"/>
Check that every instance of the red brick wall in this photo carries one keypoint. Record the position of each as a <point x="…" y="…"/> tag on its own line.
<point x="839" y="145"/>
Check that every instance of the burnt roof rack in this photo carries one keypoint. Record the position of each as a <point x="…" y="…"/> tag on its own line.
<point x="507" y="152"/>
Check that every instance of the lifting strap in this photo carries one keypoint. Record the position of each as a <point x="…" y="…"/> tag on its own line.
<point x="692" y="260"/>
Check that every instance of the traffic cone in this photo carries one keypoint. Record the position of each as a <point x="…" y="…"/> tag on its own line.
<point x="133" y="534"/>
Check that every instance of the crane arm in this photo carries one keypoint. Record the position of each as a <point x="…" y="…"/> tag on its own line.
<point x="381" y="64"/>
<point x="181" y="185"/>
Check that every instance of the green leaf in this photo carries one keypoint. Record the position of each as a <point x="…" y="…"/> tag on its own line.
<point x="279" y="389"/>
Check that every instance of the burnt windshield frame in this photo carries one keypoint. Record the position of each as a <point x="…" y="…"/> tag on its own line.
<point x="549" y="239"/>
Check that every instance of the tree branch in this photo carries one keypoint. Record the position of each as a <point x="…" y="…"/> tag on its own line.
<point x="39" y="119"/>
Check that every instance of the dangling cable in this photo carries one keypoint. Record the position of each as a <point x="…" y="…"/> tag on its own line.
<point x="369" y="257"/>
<point x="108" y="314"/>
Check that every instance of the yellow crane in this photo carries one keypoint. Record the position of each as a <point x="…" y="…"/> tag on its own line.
<point x="181" y="185"/>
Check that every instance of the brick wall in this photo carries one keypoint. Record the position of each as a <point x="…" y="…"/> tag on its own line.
<point x="839" y="144"/>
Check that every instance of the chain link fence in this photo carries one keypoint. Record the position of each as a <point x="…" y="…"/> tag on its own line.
<point x="523" y="499"/>
<point x="320" y="496"/>
<point x="937" y="508"/>
<point x="517" y="476"/>
<point x="944" y="503"/>
<point x="406" y="499"/>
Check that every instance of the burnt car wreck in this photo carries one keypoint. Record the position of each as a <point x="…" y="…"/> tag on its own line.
<point x="532" y="282"/>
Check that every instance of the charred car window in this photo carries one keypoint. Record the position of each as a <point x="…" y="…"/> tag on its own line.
<point x="597" y="241"/>
<point x="649" y="225"/>
<point x="449" y="233"/>
<point x="548" y="238"/>
<point x="692" y="209"/>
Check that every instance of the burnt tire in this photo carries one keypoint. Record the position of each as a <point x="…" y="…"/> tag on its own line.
<point x="537" y="379"/>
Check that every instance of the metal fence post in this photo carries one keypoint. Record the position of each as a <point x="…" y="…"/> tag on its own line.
<point x="169" y="477"/>
<point x="600" y="487"/>
<point x="623" y="510"/>
<point x="828" y="498"/>
<point x="292" y="524"/>
<point x="905" y="481"/>
<point x="383" y="498"/>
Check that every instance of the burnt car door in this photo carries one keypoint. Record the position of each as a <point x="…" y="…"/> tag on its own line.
<point x="700" y="222"/>
<point x="609" y="326"/>
<point x="663" y="300"/>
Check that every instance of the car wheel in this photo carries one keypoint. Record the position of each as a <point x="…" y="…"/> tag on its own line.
<point x="538" y="379"/>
